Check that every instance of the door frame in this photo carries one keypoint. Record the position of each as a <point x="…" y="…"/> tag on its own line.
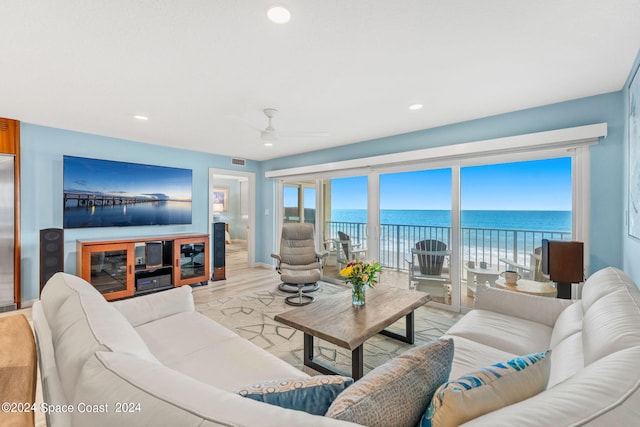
<point x="251" y="200"/>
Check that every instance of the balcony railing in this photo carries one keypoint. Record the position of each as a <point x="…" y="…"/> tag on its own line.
<point x="478" y="244"/>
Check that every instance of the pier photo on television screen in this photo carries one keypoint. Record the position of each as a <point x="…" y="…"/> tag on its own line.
<point x="105" y="193"/>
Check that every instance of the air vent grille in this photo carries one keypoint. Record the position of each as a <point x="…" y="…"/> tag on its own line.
<point x="4" y="126"/>
<point x="239" y="162"/>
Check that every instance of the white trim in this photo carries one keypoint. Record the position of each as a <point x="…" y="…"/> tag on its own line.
<point x="568" y="137"/>
<point x="455" y="269"/>
<point x="251" y="238"/>
<point x="373" y="215"/>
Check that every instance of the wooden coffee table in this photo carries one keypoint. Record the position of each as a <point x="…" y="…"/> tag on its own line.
<point x="335" y="320"/>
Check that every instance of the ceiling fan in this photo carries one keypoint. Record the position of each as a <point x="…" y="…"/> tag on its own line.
<point x="271" y="134"/>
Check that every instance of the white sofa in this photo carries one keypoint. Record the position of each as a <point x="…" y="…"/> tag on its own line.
<point x="154" y="356"/>
<point x="595" y="359"/>
<point x="183" y="368"/>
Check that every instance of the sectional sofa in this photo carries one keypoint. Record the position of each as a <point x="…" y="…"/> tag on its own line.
<point x="165" y="364"/>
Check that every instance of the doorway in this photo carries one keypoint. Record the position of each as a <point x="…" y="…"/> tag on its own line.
<point x="232" y="202"/>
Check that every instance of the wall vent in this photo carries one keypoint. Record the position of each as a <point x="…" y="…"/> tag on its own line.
<point x="239" y="162"/>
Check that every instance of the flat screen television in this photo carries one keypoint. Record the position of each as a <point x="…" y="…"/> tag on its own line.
<point x="106" y="193"/>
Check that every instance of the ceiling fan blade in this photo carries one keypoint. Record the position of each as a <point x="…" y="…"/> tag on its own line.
<point x="304" y="134"/>
<point x="269" y="134"/>
<point x="243" y="121"/>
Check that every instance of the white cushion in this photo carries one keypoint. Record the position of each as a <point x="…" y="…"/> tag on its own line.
<point x="169" y="398"/>
<point x="211" y="353"/>
<point x="602" y="283"/>
<point x="611" y="323"/>
<point x="569" y="322"/>
<point x="145" y="309"/>
<point x="471" y="355"/>
<point x="506" y="333"/>
<point x="567" y="359"/>
<point x="83" y="322"/>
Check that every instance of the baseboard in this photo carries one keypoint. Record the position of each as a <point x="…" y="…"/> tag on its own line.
<point x="264" y="265"/>
<point x="27" y="303"/>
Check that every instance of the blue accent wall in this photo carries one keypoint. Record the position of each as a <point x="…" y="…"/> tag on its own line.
<point x="631" y="245"/>
<point x="606" y="158"/>
<point x="42" y="149"/>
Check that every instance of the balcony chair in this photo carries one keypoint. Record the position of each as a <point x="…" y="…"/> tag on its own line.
<point x="533" y="271"/>
<point x="426" y="269"/>
<point x="298" y="263"/>
<point x="347" y="251"/>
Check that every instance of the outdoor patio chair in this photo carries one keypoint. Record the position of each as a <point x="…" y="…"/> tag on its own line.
<point x="298" y="263"/>
<point x="347" y="251"/>
<point x="426" y="269"/>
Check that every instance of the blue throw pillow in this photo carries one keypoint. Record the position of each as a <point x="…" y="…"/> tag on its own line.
<point x="313" y="395"/>
<point x="488" y="389"/>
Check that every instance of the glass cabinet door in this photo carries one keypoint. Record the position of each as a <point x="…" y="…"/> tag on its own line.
<point x="109" y="268"/>
<point x="191" y="263"/>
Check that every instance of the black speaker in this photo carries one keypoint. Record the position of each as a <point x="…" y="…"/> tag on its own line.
<point x="153" y="254"/>
<point x="51" y="253"/>
<point x="218" y="251"/>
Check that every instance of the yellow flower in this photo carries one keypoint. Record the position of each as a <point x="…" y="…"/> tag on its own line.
<point x="346" y="271"/>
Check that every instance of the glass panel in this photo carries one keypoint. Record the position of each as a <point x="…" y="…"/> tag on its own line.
<point x="192" y="260"/>
<point x="507" y="209"/>
<point x="309" y="203"/>
<point x="291" y="203"/>
<point x="299" y="199"/>
<point x="415" y="231"/>
<point x="345" y="222"/>
<point x="109" y="271"/>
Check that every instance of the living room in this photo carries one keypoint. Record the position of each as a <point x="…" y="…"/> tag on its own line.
<point x="46" y="138"/>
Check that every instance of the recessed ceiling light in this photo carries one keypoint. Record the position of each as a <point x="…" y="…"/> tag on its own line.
<point x="140" y="117"/>
<point x="415" y="107"/>
<point x="279" y="14"/>
<point x="268" y="144"/>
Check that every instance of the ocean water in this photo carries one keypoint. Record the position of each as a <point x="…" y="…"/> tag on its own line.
<point x="509" y="220"/>
<point x="152" y="213"/>
<point x="486" y="235"/>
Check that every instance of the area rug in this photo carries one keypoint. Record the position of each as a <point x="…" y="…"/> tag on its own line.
<point x="251" y="316"/>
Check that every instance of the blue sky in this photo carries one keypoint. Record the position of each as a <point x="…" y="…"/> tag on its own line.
<point x="125" y="178"/>
<point x="531" y="185"/>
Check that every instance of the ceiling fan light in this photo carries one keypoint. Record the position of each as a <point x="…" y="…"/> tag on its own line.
<point x="279" y="14"/>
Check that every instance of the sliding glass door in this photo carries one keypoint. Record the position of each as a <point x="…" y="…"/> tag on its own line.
<point x="415" y="231"/>
<point x="506" y="211"/>
<point x="345" y="218"/>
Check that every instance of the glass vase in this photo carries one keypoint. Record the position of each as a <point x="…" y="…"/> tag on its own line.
<point x="357" y="294"/>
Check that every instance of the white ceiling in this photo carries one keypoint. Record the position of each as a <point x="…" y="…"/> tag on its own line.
<point x="203" y="70"/>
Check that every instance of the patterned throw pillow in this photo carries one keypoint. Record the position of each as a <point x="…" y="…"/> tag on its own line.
<point x="488" y="389"/>
<point x="312" y="395"/>
<point x="397" y="392"/>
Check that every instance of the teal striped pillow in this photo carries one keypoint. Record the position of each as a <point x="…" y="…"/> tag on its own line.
<point x="488" y="389"/>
